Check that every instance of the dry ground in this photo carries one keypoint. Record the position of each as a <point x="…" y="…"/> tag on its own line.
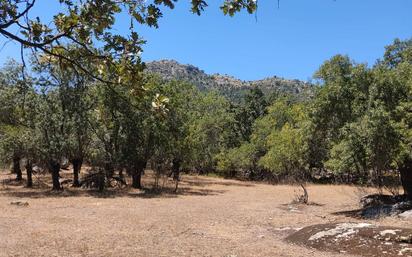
<point x="208" y="217"/>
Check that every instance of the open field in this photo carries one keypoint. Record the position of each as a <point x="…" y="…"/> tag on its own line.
<point x="208" y="217"/>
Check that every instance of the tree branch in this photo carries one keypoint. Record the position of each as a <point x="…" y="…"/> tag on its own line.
<point x="7" y="24"/>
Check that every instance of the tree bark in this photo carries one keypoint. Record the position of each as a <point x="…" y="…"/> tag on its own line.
<point x="54" y="167"/>
<point x="137" y="177"/>
<point x="29" y="171"/>
<point x="137" y="174"/>
<point x="16" y="168"/>
<point x="101" y="180"/>
<point x="406" y="178"/>
<point x="109" y="169"/>
<point x="176" y="172"/>
<point x="77" y="165"/>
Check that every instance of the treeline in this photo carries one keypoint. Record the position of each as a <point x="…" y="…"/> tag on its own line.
<point x="357" y="126"/>
<point x="54" y="114"/>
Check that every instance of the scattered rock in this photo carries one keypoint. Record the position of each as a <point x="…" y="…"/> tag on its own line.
<point x="406" y="215"/>
<point x="283" y="229"/>
<point x="37" y="169"/>
<point x="405" y="250"/>
<point x="20" y="203"/>
<point x="198" y="233"/>
<point x="293" y="208"/>
<point x="64" y="163"/>
<point x="405" y="239"/>
<point x="389" y="231"/>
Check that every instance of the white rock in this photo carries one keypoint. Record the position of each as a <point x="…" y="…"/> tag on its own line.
<point x="341" y="230"/>
<point x="389" y="231"/>
<point x="406" y="214"/>
<point x="404" y="250"/>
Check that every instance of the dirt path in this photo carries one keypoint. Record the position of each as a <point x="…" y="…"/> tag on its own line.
<point x="210" y="217"/>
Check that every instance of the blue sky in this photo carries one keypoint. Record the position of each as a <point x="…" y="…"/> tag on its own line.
<point x="290" y="41"/>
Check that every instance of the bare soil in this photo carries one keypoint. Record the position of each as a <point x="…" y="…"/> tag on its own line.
<point x="208" y="217"/>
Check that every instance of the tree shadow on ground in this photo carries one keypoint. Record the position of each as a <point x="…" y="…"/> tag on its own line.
<point x="147" y="193"/>
<point x="204" y="181"/>
<point x="368" y="213"/>
<point x="377" y="206"/>
<point x="13" y="182"/>
<point x="188" y="186"/>
<point x="110" y="193"/>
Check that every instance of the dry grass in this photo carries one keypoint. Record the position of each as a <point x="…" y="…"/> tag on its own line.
<point x="208" y="217"/>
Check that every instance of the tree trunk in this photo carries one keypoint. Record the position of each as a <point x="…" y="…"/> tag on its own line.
<point x="16" y="168"/>
<point x="176" y="172"/>
<point x="109" y="169"/>
<point x="54" y="167"/>
<point x="305" y="197"/>
<point x="77" y="165"/>
<point x="136" y="177"/>
<point x="29" y="171"/>
<point x="406" y="178"/>
<point x="101" y="180"/>
<point x="137" y="174"/>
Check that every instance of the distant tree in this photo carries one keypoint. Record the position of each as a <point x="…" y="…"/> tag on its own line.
<point x="400" y="51"/>
<point x="211" y="131"/>
<point x="252" y="107"/>
<point x="343" y="98"/>
<point x="269" y="144"/>
<point x="182" y="99"/>
<point x="73" y="91"/>
<point x="137" y="132"/>
<point x="395" y="73"/>
<point x="349" y="156"/>
<point x="370" y="144"/>
<point x="78" y="107"/>
<point x="286" y="145"/>
<point x="243" y="158"/>
<point x="360" y="116"/>
<point x="16" y="114"/>
<point x="51" y="129"/>
<point x="105" y="153"/>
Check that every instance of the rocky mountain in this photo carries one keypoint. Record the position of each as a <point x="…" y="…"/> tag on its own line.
<point x="229" y="86"/>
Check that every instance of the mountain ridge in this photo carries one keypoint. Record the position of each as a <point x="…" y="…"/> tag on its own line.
<point x="227" y="85"/>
